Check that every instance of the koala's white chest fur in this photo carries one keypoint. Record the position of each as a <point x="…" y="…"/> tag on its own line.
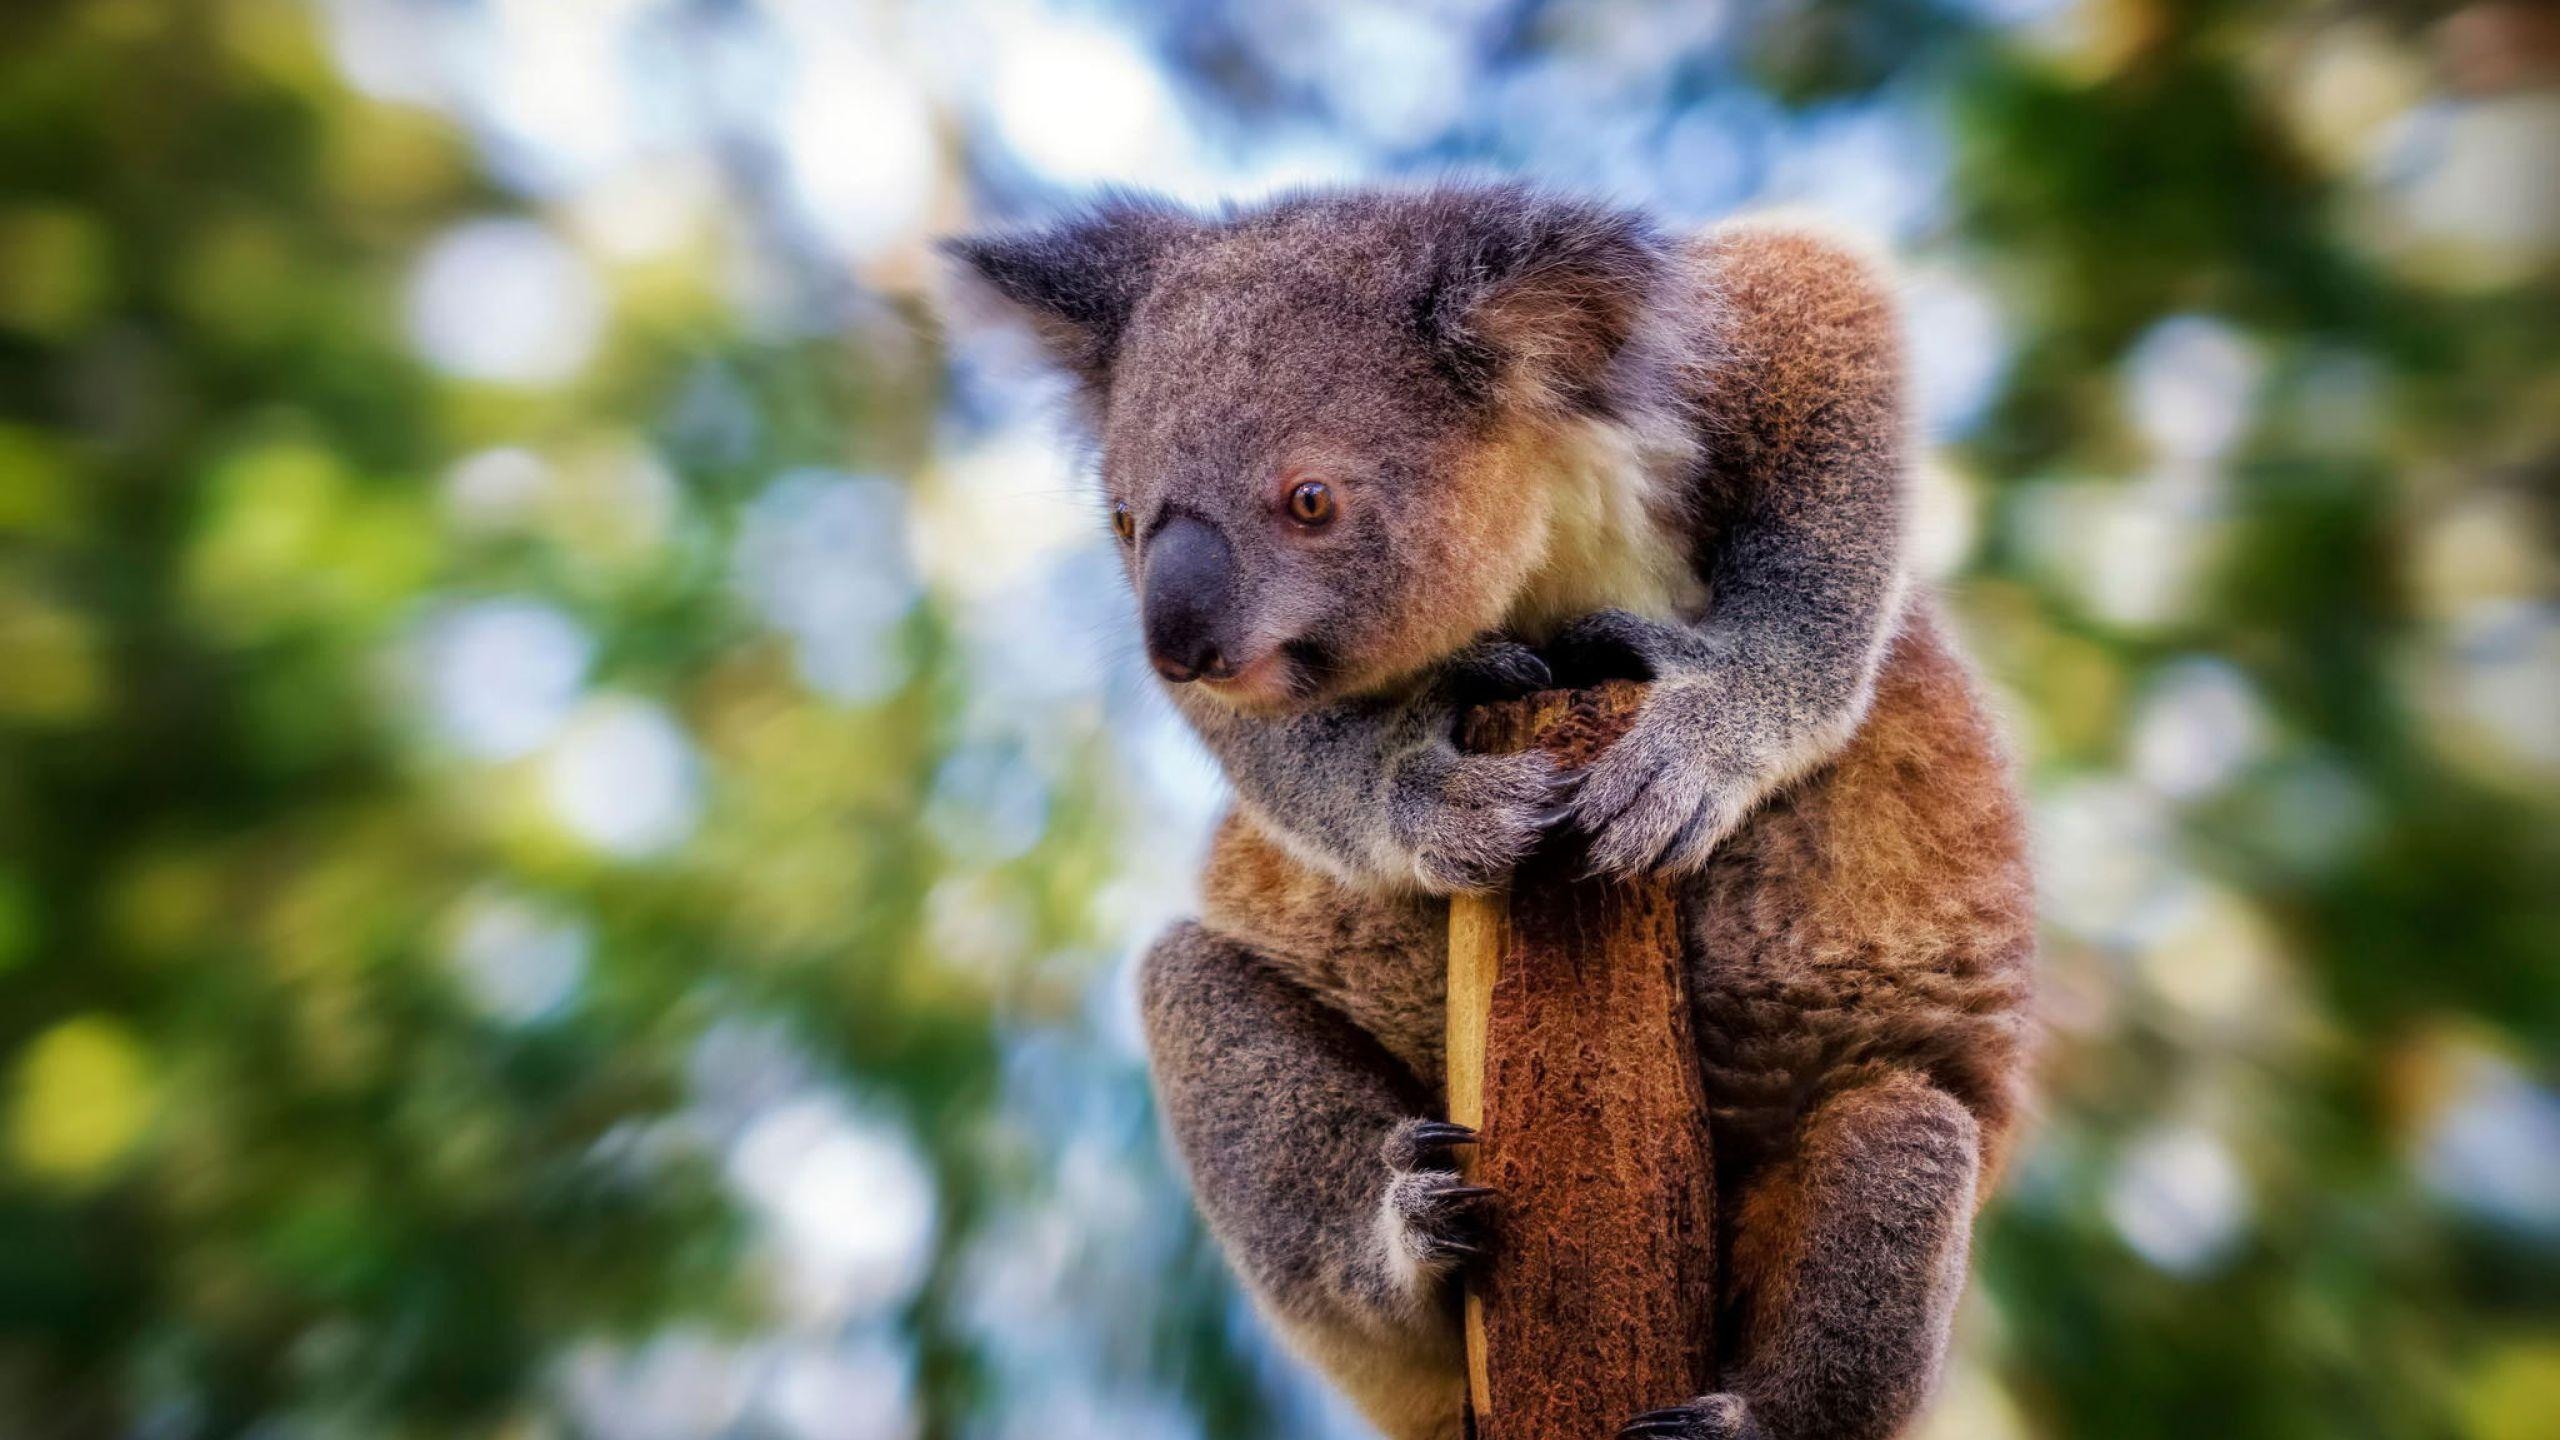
<point x="1612" y="539"/>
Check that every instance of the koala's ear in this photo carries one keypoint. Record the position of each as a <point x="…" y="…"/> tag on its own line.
<point x="1074" y="282"/>
<point x="1538" y="298"/>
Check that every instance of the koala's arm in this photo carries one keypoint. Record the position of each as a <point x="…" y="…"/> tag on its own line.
<point x="1375" y="791"/>
<point x="1804" y="432"/>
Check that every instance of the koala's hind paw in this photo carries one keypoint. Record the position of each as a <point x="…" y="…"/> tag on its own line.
<point x="1437" y="1218"/>
<point x="1431" y="1220"/>
<point x="1709" y="1417"/>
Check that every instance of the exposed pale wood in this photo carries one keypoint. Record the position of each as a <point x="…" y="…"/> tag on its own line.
<point x="1476" y="936"/>
<point x="1570" y="1050"/>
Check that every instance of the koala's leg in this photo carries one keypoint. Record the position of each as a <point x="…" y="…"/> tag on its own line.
<point x="1312" y="1156"/>
<point x="1847" y="1262"/>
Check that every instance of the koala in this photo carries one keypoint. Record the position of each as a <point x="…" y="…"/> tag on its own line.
<point x="1374" y="456"/>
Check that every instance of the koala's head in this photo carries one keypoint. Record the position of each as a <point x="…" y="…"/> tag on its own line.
<point x="1326" y="425"/>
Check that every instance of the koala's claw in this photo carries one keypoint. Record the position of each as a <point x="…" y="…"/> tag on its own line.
<point x="1415" y="1140"/>
<point x="1494" y="670"/>
<point x="1437" y="1220"/>
<point x="1424" y="1144"/>
<point x="1607" y="645"/>
<point x="1433" y="1218"/>
<point x="1709" y="1417"/>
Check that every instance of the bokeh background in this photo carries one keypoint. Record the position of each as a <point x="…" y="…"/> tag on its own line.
<point x="575" y="810"/>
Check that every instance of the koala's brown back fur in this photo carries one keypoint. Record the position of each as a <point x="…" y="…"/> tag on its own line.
<point x="1876" y="913"/>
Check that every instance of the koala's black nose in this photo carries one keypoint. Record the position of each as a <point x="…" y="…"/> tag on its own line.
<point x="1190" y="584"/>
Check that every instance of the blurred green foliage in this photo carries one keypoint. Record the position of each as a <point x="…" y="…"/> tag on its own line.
<point x="272" y="1161"/>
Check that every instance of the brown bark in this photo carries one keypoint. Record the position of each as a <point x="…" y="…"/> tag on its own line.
<point x="1570" y="1050"/>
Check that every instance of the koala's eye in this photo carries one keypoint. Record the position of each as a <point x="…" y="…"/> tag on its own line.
<point x="1123" y="524"/>
<point x="1311" y="503"/>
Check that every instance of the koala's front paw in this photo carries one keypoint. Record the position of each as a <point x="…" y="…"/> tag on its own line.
<point x="1667" y="792"/>
<point x="1620" y="645"/>
<point x="1461" y="822"/>
<point x="1430" y="1220"/>
<point x="1493" y="670"/>
<point x="1709" y="1417"/>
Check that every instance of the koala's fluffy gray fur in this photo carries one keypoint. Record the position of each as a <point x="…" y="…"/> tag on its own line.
<point x="1564" y="445"/>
